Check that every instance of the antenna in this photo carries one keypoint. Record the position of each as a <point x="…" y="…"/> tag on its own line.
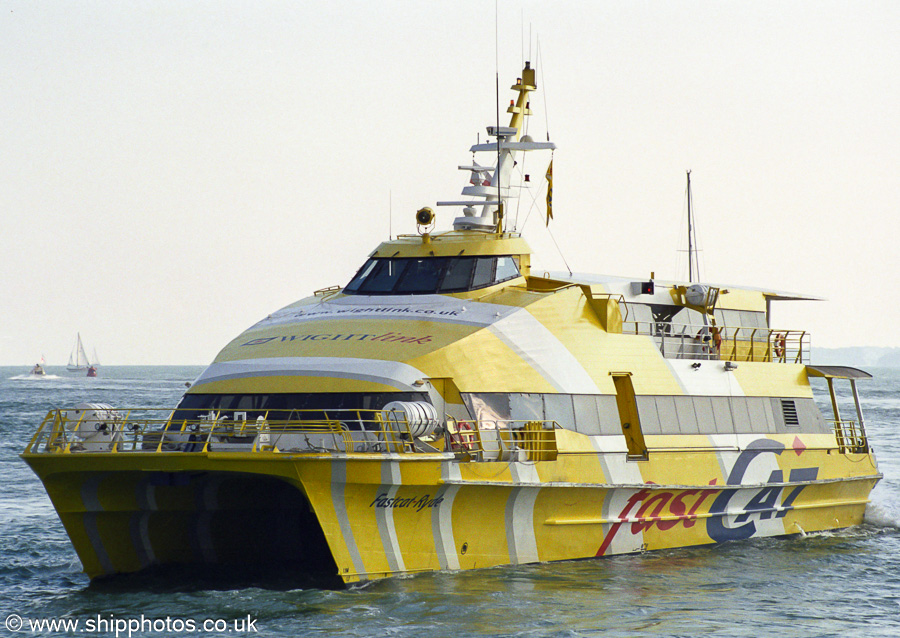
<point x="390" y="214"/>
<point x="690" y="233"/>
<point x="693" y="257"/>
<point x="522" y="19"/>
<point x="497" y="103"/>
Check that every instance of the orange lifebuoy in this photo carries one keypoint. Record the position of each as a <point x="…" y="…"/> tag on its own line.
<point x="780" y="344"/>
<point x="465" y="442"/>
<point x="705" y="335"/>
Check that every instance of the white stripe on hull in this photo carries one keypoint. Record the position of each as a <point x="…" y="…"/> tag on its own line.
<point x="400" y="375"/>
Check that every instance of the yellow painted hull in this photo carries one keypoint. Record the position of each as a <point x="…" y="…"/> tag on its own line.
<point x="364" y="516"/>
<point x="450" y="409"/>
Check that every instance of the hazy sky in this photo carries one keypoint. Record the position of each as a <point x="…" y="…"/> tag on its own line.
<point x="172" y="172"/>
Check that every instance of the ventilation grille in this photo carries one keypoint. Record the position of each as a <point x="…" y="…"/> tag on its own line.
<point x="789" y="410"/>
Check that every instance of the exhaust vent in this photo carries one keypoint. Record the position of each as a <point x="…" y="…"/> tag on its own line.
<point x="789" y="410"/>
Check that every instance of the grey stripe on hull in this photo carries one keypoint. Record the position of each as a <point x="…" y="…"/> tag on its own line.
<point x="442" y="518"/>
<point x="338" y="487"/>
<point x="520" y="525"/>
<point x="524" y="473"/>
<point x="611" y="453"/>
<point x="544" y="352"/>
<point x="206" y="498"/>
<point x="91" y="499"/>
<point x="145" y="494"/>
<point x="391" y="482"/>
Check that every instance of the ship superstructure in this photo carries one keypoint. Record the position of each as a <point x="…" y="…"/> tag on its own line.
<point x="450" y="409"/>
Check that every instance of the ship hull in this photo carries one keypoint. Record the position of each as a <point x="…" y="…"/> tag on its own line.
<point x="353" y="518"/>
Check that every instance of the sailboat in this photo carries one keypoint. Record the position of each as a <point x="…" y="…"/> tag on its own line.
<point x="78" y="360"/>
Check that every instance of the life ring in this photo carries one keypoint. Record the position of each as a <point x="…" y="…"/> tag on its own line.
<point x="717" y="339"/>
<point x="780" y="344"/>
<point x="465" y="442"/>
<point x="704" y="338"/>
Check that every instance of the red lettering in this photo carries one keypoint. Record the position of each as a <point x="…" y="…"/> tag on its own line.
<point x="647" y="523"/>
<point x="692" y="515"/>
<point x="636" y="498"/>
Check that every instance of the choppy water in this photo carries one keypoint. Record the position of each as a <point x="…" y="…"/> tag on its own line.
<point x="835" y="584"/>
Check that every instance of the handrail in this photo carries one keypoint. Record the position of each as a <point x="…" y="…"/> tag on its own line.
<point x="724" y="343"/>
<point x="619" y="299"/>
<point x="343" y="431"/>
<point x="851" y="438"/>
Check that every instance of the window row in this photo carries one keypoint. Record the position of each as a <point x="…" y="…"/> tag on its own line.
<point x="666" y="316"/>
<point x="429" y="275"/>
<point x="288" y="406"/>
<point x="599" y="414"/>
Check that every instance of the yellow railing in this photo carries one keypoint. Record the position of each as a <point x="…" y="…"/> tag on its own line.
<point x="726" y="343"/>
<point x="851" y="438"/>
<point x="148" y="430"/>
<point x="512" y="440"/>
<point x="151" y="430"/>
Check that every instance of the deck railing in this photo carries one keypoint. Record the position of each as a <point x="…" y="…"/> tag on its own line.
<point x="726" y="343"/>
<point x="151" y="431"/>
<point x="851" y="438"/>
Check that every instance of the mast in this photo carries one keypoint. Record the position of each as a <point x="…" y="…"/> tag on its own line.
<point x="690" y="234"/>
<point x="493" y="184"/>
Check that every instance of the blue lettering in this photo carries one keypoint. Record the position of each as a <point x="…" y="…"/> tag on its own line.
<point x="764" y="503"/>
<point x="797" y="474"/>
<point x="715" y="525"/>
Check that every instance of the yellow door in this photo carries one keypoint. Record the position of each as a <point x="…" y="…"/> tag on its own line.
<point x="628" y="416"/>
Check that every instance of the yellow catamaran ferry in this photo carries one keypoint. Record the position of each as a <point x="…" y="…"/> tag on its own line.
<point x="451" y="409"/>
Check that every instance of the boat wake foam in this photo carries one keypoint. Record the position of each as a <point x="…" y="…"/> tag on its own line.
<point x="881" y="515"/>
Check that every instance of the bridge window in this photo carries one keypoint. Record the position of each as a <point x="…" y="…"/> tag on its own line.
<point x="421" y="274"/>
<point x="458" y="276"/>
<point x="429" y="275"/>
<point x="484" y="272"/>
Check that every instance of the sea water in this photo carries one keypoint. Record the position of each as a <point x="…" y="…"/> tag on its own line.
<point x="844" y="583"/>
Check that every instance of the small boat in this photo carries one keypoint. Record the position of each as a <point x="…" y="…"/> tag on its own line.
<point x="78" y="360"/>
<point x="453" y="408"/>
<point x="95" y="364"/>
<point x="38" y="370"/>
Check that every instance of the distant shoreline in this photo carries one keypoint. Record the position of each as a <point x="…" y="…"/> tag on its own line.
<point x="853" y="356"/>
<point x="857" y="357"/>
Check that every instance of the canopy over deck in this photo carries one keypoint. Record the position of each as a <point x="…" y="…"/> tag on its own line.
<point x="837" y="372"/>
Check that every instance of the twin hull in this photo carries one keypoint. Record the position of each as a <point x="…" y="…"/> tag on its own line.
<point x="369" y="516"/>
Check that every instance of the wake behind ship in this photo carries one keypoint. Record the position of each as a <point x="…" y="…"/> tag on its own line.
<point x="450" y="409"/>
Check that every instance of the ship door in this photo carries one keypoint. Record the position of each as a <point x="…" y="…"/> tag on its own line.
<point x="628" y="416"/>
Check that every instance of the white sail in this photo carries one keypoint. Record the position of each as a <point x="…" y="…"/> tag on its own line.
<point x="78" y="360"/>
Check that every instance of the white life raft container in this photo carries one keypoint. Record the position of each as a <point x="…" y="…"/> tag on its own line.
<point x="422" y="417"/>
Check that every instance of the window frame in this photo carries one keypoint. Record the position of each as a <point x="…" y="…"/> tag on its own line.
<point x="358" y="282"/>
